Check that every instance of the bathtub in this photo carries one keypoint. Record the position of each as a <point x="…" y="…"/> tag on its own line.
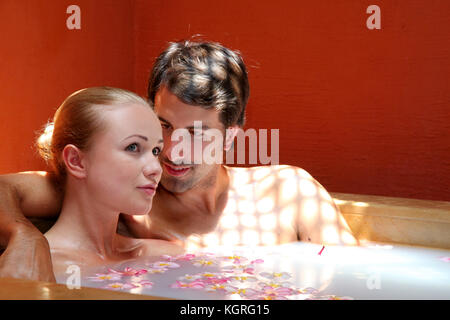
<point x="404" y="254"/>
<point x="295" y="271"/>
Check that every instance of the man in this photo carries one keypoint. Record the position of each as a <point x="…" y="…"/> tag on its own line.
<point x="197" y="203"/>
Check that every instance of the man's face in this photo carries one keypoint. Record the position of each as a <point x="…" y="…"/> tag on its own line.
<point x="180" y="172"/>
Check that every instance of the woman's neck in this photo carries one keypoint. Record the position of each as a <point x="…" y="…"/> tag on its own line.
<point x="85" y="225"/>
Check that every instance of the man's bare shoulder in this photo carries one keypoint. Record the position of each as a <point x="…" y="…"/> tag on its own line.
<point x="286" y="170"/>
<point x="17" y="178"/>
<point x="275" y="175"/>
<point x="285" y="182"/>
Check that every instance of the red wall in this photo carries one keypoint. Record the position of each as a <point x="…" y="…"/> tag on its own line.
<point x="42" y="62"/>
<point x="364" y="111"/>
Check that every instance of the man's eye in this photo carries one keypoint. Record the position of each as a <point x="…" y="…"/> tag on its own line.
<point x="134" y="147"/>
<point x="197" y="133"/>
<point x="156" y="151"/>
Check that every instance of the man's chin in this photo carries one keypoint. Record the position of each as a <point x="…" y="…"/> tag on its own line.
<point x="174" y="185"/>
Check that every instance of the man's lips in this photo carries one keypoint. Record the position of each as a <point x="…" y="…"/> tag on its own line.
<point x="175" y="171"/>
<point x="149" y="189"/>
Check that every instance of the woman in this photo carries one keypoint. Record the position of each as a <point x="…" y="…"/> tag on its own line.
<point x="103" y="149"/>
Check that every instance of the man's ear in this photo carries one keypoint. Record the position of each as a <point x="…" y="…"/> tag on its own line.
<point x="230" y="134"/>
<point x="74" y="161"/>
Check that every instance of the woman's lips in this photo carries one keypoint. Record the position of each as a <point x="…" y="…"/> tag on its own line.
<point x="148" y="189"/>
<point x="175" y="171"/>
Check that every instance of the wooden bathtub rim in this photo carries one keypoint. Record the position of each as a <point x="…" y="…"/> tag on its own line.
<point x="396" y="220"/>
<point x="370" y="217"/>
<point x="22" y="289"/>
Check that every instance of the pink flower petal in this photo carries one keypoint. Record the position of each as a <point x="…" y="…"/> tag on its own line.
<point x="257" y="261"/>
<point x="145" y="283"/>
<point x="187" y="257"/>
<point x="284" y="291"/>
<point x="308" y="290"/>
<point x="184" y="285"/>
<point x="120" y="286"/>
<point x="165" y="264"/>
<point x="104" y="277"/>
<point x="128" y="272"/>
<point x="249" y="270"/>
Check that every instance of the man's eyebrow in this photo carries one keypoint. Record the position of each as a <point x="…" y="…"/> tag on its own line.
<point x="164" y="120"/>
<point x="204" y="127"/>
<point x="137" y="135"/>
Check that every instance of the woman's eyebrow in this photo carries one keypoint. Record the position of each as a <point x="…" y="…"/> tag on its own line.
<point x="203" y="127"/>
<point x="136" y="135"/>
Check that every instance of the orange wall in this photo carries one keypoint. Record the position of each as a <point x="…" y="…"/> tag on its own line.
<point x="364" y="111"/>
<point x="42" y="62"/>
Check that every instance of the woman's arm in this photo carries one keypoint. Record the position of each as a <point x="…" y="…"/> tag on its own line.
<point x="27" y="254"/>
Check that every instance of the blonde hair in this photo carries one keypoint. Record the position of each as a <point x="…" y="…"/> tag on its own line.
<point x="76" y="121"/>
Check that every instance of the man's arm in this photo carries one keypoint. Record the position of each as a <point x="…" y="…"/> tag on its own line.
<point x="27" y="254"/>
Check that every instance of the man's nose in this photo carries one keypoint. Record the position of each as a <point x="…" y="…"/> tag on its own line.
<point x="177" y="149"/>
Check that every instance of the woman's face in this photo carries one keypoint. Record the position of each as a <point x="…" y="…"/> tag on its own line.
<point x="122" y="163"/>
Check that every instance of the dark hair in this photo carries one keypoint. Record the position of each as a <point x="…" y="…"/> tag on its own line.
<point x="205" y="74"/>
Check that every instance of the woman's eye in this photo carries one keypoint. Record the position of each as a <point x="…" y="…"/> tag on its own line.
<point x="134" y="147"/>
<point x="156" y="151"/>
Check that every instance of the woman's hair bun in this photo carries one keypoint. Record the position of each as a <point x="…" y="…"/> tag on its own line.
<point x="44" y="142"/>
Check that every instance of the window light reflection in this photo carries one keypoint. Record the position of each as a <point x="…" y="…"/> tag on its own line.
<point x="274" y="218"/>
<point x="307" y="188"/>
<point x="265" y="205"/>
